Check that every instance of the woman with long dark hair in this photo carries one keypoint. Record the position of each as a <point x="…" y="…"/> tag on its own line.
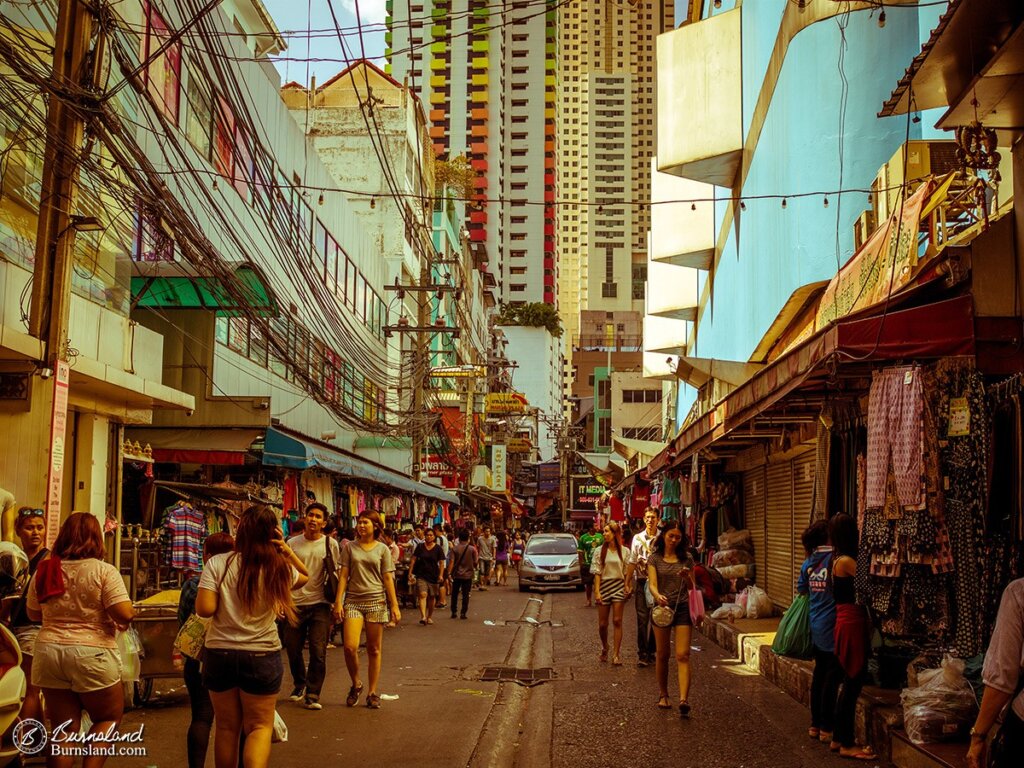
<point x="82" y="602"/>
<point x="501" y="561"/>
<point x="851" y="636"/>
<point x="670" y="577"/>
<point x="366" y="588"/>
<point x="613" y="585"/>
<point x="244" y="592"/>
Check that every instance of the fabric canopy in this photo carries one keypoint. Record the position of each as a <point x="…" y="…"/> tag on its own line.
<point x="195" y="446"/>
<point x="282" y="449"/>
<point x="196" y="292"/>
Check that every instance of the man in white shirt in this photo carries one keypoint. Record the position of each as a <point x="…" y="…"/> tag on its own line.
<point x="313" y="606"/>
<point x="486" y="546"/>
<point x="639" y="551"/>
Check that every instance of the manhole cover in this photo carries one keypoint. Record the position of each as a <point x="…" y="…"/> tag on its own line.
<point x="522" y="675"/>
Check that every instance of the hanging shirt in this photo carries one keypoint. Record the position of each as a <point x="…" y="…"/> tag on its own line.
<point x="187" y="526"/>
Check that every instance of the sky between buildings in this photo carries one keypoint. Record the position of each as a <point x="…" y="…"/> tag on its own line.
<point x="310" y="32"/>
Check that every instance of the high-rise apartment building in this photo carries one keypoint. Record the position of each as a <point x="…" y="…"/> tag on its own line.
<point x="606" y="137"/>
<point x="486" y="73"/>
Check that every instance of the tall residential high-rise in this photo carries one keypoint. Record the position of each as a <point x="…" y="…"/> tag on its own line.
<point x="486" y="73"/>
<point x="606" y="137"/>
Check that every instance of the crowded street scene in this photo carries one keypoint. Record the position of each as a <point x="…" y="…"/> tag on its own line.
<point x="512" y="383"/>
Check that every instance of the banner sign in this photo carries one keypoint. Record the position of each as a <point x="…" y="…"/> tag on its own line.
<point x="586" y="493"/>
<point x="506" y="402"/>
<point x="58" y="452"/>
<point x="499" y="468"/>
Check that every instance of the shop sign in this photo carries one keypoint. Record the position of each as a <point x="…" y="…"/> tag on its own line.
<point x="58" y="452"/>
<point x="519" y="445"/>
<point x="436" y="466"/>
<point x="549" y="476"/>
<point x="586" y="493"/>
<point x="499" y="468"/>
<point x="506" y="402"/>
<point x="959" y="417"/>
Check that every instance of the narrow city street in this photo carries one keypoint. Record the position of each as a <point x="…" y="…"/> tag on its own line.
<point x="589" y="714"/>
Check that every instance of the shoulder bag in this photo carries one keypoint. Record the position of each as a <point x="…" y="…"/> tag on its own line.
<point x="331" y="580"/>
<point x="663" y="616"/>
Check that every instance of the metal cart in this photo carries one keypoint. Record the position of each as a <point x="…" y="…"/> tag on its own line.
<point x="156" y="621"/>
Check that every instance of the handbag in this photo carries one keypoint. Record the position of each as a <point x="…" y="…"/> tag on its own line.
<point x="280" y="731"/>
<point x="191" y="637"/>
<point x="331" y="580"/>
<point x="663" y="616"/>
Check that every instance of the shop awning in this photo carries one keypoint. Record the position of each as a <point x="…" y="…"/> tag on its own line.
<point x="939" y="329"/>
<point x="646" y="449"/>
<point x="195" y="446"/>
<point x="161" y="289"/>
<point x="606" y="468"/>
<point x="696" y="371"/>
<point x="283" y="449"/>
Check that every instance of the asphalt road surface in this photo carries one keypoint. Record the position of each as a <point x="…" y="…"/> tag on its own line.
<point x="589" y="714"/>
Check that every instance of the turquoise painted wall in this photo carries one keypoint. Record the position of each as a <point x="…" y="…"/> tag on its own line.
<point x="771" y="251"/>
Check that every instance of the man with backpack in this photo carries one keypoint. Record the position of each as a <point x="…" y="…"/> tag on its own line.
<point x="313" y="601"/>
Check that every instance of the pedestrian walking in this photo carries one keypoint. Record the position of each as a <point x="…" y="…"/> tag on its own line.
<point x="426" y="570"/>
<point x="613" y="585"/>
<point x="640" y="552"/>
<point x="197" y="738"/>
<point x="366" y="589"/>
<point x="501" y="560"/>
<point x="669" y="577"/>
<point x="445" y="542"/>
<point x="585" y="545"/>
<point x="81" y="602"/>
<point x="31" y="529"/>
<point x="1003" y="675"/>
<point x="462" y="564"/>
<point x="243" y="592"/>
<point x="516" y="551"/>
<point x="321" y="555"/>
<point x="486" y="545"/>
<point x="815" y="581"/>
<point x="852" y="641"/>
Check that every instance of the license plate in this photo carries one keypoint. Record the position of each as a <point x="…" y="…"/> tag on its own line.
<point x="552" y="578"/>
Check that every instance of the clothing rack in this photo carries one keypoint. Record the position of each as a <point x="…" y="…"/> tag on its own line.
<point x="1001" y="390"/>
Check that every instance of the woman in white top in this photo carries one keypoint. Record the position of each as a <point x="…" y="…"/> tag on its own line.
<point x="244" y="592"/>
<point x="613" y="585"/>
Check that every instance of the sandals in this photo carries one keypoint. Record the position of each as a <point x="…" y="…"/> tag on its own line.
<point x="684" y="709"/>
<point x="353" y="695"/>
<point x="814" y="733"/>
<point x="373" y="701"/>
<point x="616" y="661"/>
<point x="663" y="703"/>
<point x="603" y="657"/>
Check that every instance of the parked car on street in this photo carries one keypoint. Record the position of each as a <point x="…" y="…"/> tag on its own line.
<point x="550" y="560"/>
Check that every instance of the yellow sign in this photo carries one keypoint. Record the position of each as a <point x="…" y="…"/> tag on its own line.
<point x="519" y="445"/>
<point x="506" y="402"/>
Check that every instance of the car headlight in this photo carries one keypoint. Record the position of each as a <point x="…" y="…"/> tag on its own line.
<point x="528" y="562"/>
<point x="575" y="562"/>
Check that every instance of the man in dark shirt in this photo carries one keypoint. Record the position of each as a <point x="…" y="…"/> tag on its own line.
<point x="462" y="562"/>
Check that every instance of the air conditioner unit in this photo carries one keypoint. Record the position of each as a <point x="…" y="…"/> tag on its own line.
<point x="912" y="163"/>
<point x="862" y="228"/>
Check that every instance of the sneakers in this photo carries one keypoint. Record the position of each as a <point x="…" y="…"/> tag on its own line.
<point x="297" y="693"/>
<point x="312" y="702"/>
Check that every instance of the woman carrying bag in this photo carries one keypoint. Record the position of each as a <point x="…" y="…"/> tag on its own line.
<point x="670" y="580"/>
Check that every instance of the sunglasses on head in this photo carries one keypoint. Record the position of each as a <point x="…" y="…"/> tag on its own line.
<point x="26" y="512"/>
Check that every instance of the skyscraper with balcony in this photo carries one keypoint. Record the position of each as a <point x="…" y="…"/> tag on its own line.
<point x="486" y="73"/>
<point x="606" y="138"/>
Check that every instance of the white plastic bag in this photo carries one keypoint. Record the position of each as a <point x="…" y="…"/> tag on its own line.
<point x="942" y="707"/>
<point x="729" y="611"/>
<point x="759" y="605"/>
<point x="280" y="729"/>
<point x="130" y="647"/>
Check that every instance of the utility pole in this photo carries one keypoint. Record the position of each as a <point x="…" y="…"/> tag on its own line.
<point x="55" y="235"/>
<point x="422" y="358"/>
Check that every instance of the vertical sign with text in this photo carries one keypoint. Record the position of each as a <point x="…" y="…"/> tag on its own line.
<point x="499" y="468"/>
<point x="58" y="434"/>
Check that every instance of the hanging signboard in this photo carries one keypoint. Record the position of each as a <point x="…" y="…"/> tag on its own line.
<point x="499" y="468"/>
<point x="506" y="402"/>
<point x="586" y="493"/>
<point x="58" y="435"/>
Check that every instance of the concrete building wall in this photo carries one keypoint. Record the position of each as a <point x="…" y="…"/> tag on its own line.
<point x="538" y="356"/>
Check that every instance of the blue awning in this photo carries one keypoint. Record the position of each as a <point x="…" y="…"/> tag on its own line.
<point x="282" y="449"/>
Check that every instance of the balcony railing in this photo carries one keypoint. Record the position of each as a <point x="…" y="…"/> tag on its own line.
<point x="601" y="343"/>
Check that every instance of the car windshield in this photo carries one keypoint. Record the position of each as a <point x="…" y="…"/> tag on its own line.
<point x="546" y="546"/>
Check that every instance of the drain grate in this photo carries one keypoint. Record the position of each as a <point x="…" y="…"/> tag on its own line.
<point x="522" y="675"/>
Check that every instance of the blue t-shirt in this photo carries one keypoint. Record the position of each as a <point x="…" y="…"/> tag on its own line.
<point x="814" y="581"/>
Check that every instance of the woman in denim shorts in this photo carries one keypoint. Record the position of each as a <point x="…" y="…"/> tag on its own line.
<point x="82" y="602"/>
<point x="366" y="587"/>
<point x="244" y="592"/>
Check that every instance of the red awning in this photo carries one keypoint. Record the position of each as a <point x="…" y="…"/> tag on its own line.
<point x="196" y="446"/>
<point x="939" y="329"/>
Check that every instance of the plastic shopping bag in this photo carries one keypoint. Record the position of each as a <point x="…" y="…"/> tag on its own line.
<point x="696" y="607"/>
<point x="793" y="637"/>
<point x="280" y="729"/>
<point x="759" y="605"/>
<point x="130" y="648"/>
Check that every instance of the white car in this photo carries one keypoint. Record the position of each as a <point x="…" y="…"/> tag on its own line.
<point x="550" y="560"/>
